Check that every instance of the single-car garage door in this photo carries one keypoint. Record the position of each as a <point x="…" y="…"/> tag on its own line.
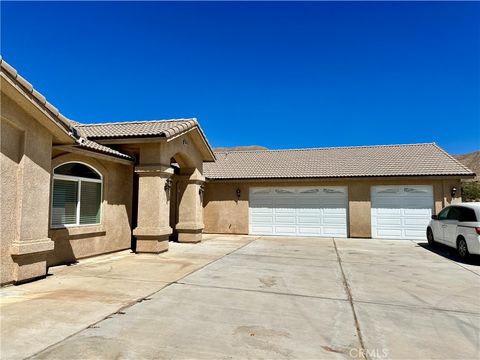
<point x="401" y="212"/>
<point x="299" y="211"/>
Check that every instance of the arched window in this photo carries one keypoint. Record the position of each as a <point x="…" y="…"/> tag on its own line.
<point x="76" y="195"/>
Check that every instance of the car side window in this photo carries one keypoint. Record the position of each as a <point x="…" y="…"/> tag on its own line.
<point x="454" y="213"/>
<point x="467" y="215"/>
<point x="443" y="214"/>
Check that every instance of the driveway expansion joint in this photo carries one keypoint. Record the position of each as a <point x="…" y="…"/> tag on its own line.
<point x="261" y="291"/>
<point x="352" y="306"/>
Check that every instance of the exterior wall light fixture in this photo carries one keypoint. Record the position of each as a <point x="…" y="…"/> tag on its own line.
<point x="453" y="191"/>
<point x="239" y="192"/>
<point x="168" y="185"/>
<point x="201" y="190"/>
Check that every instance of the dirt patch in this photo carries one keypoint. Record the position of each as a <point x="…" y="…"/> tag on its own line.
<point x="268" y="281"/>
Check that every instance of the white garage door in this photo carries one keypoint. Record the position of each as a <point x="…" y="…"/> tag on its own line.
<point x="401" y="212"/>
<point x="299" y="211"/>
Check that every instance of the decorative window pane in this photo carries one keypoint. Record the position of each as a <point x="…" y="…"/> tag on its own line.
<point x="64" y="202"/>
<point x="332" y="191"/>
<point x="77" y="169"/>
<point x="284" y="191"/>
<point x="388" y="191"/>
<point x="90" y="200"/>
<point x="415" y="190"/>
<point x="310" y="191"/>
<point x="261" y="191"/>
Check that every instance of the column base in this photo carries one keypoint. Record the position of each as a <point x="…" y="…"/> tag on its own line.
<point x="189" y="238"/>
<point x="152" y="240"/>
<point x="188" y="235"/>
<point x="29" y="267"/>
<point x="30" y="259"/>
<point x="152" y="246"/>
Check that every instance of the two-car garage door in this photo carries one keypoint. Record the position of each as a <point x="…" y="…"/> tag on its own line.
<point x="299" y="211"/>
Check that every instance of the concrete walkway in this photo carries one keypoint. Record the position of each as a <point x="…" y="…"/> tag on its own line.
<point x="247" y="297"/>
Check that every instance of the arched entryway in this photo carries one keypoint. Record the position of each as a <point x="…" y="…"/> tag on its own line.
<point x="170" y="191"/>
<point x="186" y="197"/>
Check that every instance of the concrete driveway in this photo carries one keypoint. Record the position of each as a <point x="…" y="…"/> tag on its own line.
<point x="251" y="297"/>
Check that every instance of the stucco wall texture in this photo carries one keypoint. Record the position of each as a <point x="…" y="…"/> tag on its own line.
<point x="224" y="213"/>
<point x="25" y="177"/>
<point x="114" y="232"/>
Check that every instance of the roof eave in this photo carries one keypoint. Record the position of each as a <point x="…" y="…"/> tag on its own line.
<point x="94" y="153"/>
<point x="426" y="176"/>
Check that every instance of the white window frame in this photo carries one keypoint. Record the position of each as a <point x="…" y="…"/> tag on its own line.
<point x="78" y="180"/>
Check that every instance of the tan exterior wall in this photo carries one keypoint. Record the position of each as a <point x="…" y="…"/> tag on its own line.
<point x="25" y="177"/>
<point x="114" y="232"/>
<point x="225" y="214"/>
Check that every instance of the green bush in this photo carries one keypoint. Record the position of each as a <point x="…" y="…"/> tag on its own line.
<point x="471" y="191"/>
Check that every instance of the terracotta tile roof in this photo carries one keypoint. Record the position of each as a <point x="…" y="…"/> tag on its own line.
<point x="361" y="161"/>
<point x="92" y="145"/>
<point x="163" y="128"/>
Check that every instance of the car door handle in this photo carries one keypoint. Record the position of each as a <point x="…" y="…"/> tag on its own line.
<point x="444" y="226"/>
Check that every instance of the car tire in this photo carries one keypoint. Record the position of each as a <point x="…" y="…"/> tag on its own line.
<point x="430" y="238"/>
<point x="462" y="248"/>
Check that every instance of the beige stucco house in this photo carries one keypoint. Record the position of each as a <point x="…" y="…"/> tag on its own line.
<point x="70" y="190"/>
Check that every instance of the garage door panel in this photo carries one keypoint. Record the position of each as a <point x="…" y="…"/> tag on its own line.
<point x="390" y="221"/>
<point x="299" y="211"/>
<point x="308" y="212"/>
<point x="401" y="212"/>
<point x="262" y="219"/>
<point x="388" y="211"/>
<point x="417" y="212"/>
<point x="334" y="231"/>
<point x="389" y="233"/>
<point x="284" y="220"/>
<point x="415" y="222"/>
<point x="340" y="221"/>
<point x="285" y="230"/>
<point x="262" y="230"/>
<point x="262" y="210"/>
<point x="414" y="233"/>
<point x="334" y="211"/>
<point x="309" y="220"/>
<point x="309" y="231"/>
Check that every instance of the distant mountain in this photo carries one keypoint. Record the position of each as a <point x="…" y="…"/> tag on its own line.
<point x="472" y="161"/>
<point x="240" y="148"/>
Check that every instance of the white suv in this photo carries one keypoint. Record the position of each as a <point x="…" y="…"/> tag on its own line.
<point x="457" y="226"/>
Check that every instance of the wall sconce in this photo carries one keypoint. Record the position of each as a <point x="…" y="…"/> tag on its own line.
<point x="168" y="186"/>
<point x="453" y="191"/>
<point x="201" y="190"/>
<point x="239" y="192"/>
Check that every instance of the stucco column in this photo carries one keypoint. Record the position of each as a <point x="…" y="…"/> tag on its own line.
<point x="153" y="228"/>
<point x="31" y="244"/>
<point x="190" y="209"/>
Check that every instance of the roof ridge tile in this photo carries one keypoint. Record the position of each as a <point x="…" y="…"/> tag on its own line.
<point x="323" y="148"/>
<point x="134" y="122"/>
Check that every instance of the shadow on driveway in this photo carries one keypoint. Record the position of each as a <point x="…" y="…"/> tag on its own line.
<point x="450" y="253"/>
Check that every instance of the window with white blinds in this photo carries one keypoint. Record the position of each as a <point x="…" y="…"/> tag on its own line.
<point x="76" y="195"/>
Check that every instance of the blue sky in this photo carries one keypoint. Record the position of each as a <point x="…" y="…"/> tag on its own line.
<point x="281" y="75"/>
